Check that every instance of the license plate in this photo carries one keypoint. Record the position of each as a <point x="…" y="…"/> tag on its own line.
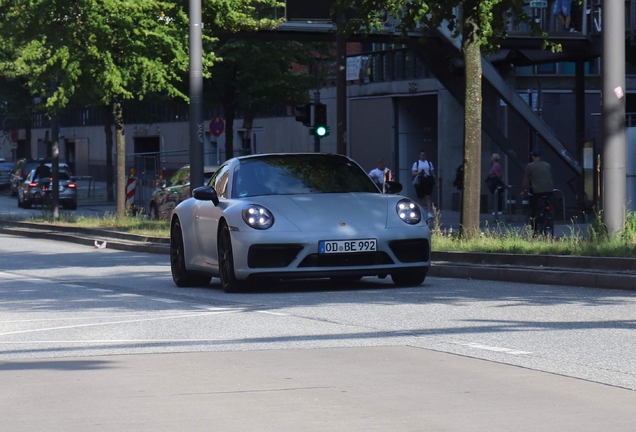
<point x="347" y="246"/>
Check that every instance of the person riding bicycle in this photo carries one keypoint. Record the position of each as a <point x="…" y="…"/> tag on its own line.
<point x="539" y="174"/>
<point x="43" y="172"/>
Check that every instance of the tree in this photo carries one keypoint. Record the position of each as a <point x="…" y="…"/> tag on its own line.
<point x="479" y="23"/>
<point x="253" y="76"/>
<point x="114" y="49"/>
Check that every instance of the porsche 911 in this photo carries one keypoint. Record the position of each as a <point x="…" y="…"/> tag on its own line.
<point x="269" y="217"/>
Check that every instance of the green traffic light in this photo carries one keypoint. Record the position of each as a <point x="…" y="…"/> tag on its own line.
<point x="321" y="131"/>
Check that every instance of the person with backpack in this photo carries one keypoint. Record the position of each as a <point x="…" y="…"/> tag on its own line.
<point x="424" y="180"/>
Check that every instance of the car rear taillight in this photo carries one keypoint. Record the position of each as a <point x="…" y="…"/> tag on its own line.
<point x="71" y="185"/>
<point x="33" y="184"/>
<point x="549" y="208"/>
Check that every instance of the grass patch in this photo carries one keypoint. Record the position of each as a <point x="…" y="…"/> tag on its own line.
<point x="131" y="224"/>
<point x="504" y="238"/>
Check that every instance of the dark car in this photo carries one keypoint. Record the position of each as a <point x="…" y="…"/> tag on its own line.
<point x="5" y="174"/>
<point x="22" y="169"/>
<point x="171" y="192"/>
<point x="34" y="190"/>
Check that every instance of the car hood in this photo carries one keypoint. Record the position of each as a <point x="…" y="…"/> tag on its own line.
<point x="315" y="212"/>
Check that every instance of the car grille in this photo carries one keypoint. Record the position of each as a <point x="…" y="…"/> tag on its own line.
<point x="272" y="255"/>
<point x="408" y="251"/>
<point x="346" y="260"/>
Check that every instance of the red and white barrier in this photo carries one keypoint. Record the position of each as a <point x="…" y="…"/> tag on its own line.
<point x="130" y="192"/>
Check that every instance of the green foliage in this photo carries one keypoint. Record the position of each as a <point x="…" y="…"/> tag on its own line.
<point x="485" y="20"/>
<point x="253" y="74"/>
<point x="107" y="48"/>
<point x="500" y="238"/>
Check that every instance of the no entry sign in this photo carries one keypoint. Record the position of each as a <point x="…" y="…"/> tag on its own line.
<point x="217" y="126"/>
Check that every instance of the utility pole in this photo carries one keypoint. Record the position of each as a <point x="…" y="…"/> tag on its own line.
<point x="341" y="82"/>
<point x="613" y="112"/>
<point x="316" y="101"/>
<point x="196" y="95"/>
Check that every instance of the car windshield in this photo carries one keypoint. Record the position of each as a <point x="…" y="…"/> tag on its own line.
<point x="299" y="174"/>
<point x="6" y="166"/>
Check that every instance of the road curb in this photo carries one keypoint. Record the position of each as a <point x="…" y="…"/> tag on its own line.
<point x="88" y="240"/>
<point x="535" y="275"/>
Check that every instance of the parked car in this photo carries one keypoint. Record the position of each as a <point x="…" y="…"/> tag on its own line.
<point x="5" y="174"/>
<point x="171" y="192"/>
<point x="290" y="216"/>
<point x="22" y="169"/>
<point x="34" y="191"/>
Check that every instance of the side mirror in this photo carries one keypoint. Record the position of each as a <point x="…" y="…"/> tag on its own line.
<point x="392" y="187"/>
<point x="206" y="193"/>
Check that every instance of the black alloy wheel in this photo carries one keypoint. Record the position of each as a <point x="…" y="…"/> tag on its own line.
<point x="180" y="275"/>
<point x="229" y="283"/>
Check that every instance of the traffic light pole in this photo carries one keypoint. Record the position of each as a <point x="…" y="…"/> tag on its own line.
<point x="316" y="137"/>
<point x="341" y="82"/>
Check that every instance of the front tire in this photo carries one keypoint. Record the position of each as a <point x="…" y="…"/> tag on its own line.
<point x="409" y="279"/>
<point x="180" y="274"/>
<point x="226" y="263"/>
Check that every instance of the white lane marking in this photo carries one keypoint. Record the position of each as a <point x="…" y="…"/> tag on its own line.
<point x="46" y="281"/>
<point x="163" y="300"/>
<point x="99" y="290"/>
<point x="117" y="322"/>
<point x="491" y="348"/>
<point x="211" y="308"/>
<point x="105" y="341"/>
<point x="126" y="295"/>
<point x="272" y="313"/>
<point x="73" y="286"/>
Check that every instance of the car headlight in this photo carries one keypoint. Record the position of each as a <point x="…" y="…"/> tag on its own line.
<point x="258" y="217"/>
<point x="408" y="211"/>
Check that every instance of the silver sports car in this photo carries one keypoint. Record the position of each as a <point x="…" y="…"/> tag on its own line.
<point x="292" y="216"/>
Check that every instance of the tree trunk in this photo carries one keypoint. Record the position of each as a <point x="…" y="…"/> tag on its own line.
<point x="230" y="114"/>
<point x="472" y="123"/>
<point x="108" y="130"/>
<point x="120" y="141"/>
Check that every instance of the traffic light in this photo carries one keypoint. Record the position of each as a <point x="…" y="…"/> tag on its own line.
<point x="320" y="128"/>
<point x="303" y="114"/>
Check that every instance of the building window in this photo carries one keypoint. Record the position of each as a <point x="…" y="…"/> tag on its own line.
<point x="524" y="70"/>
<point x="546" y="69"/>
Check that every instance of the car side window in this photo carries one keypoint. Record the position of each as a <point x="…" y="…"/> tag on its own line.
<point x="179" y="177"/>
<point x="220" y="180"/>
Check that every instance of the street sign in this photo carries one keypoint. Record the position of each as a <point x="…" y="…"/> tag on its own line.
<point x="217" y="126"/>
<point x="538" y="4"/>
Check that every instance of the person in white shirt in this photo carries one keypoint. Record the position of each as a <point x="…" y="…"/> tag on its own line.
<point x="381" y="174"/>
<point x="424" y="188"/>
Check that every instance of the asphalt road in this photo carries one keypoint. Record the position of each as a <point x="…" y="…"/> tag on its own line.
<point x="98" y="339"/>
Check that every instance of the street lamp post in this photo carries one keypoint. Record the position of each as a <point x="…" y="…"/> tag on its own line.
<point x="196" y="95"/>
<point x="613" y="112"/>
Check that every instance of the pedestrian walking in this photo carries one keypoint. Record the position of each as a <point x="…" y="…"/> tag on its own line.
<point x="495" y="180"/>
<point x="424" y="180"/>
<point x="538" y="173"/>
